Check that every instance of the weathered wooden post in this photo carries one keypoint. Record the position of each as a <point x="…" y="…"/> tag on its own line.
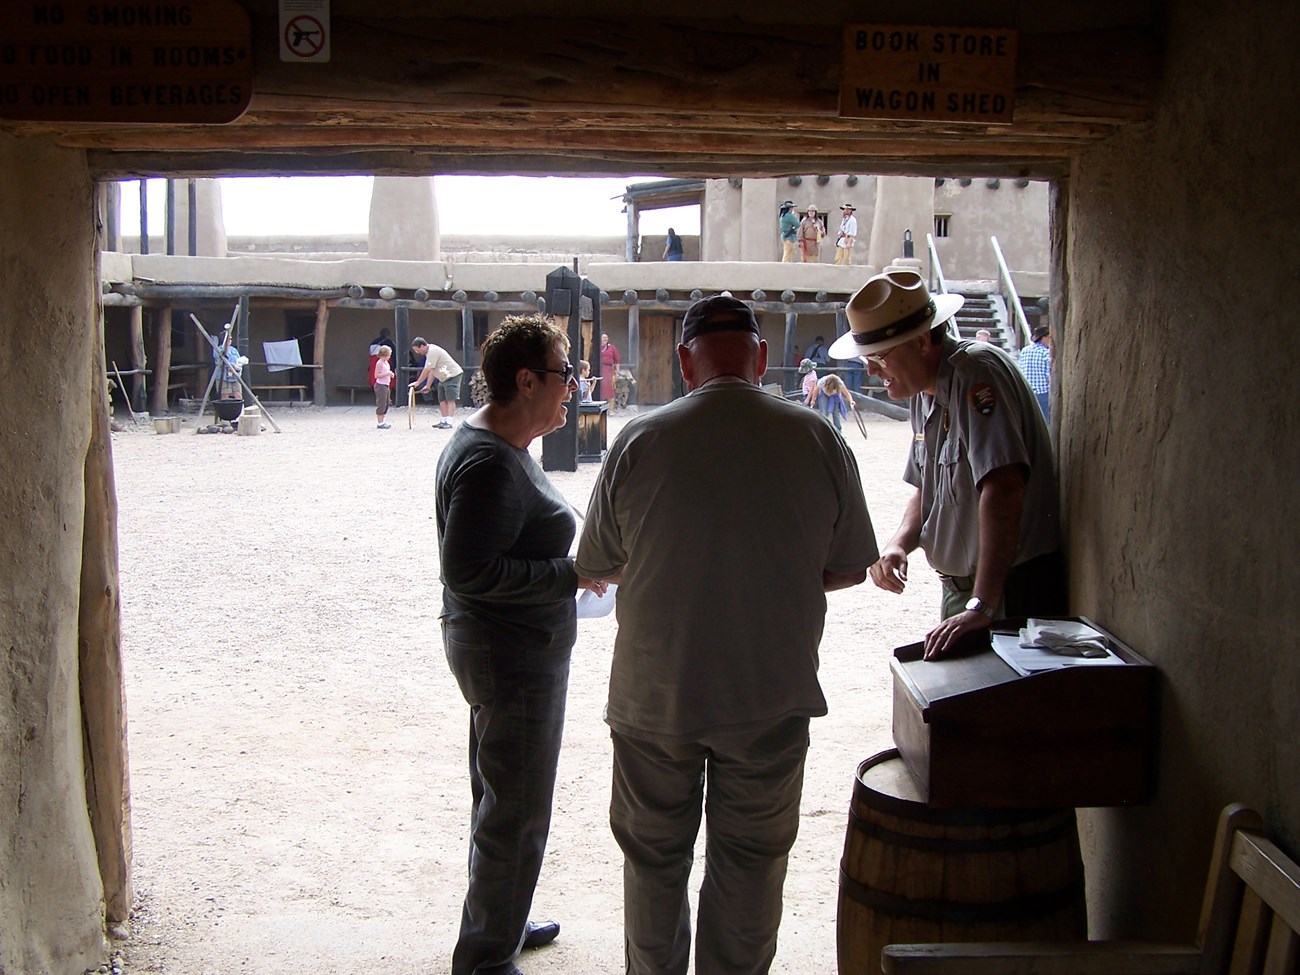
<point x="790" y="353"/>
<point x="633" y="335"/>
<point x="402" y="336"/>
<point x="471" y="350"/>
<point x="318" y="353"/>
<point x="139" y="361"/>
<point x="563" y="291"/>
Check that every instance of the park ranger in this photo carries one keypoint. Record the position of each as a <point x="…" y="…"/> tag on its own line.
<point x="985" y="509"/>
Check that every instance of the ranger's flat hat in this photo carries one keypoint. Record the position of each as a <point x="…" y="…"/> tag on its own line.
<point x="890" y="309"/>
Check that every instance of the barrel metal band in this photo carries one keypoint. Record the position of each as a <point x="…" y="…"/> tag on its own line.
<point x="940" y="844"/>
<point x="1010" y="911"/>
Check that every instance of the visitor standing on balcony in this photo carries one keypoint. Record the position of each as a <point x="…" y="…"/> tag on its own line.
<point x="789" y="232"/>
<point x="811" y="233"/>
<point x="672" y="246"/>
<point x="847" y="236"/>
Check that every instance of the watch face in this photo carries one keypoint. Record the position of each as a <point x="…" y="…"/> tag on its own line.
<point x="974" y="604"/>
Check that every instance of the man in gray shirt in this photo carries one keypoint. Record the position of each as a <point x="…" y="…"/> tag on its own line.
<point x="726" y="516"/>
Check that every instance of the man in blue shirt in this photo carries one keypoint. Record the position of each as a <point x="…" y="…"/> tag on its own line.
<point x="789" y="231"/>
<point x="1036" y="364"/>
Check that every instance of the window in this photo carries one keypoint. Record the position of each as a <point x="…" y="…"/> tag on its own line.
<point x="941" y="224"/>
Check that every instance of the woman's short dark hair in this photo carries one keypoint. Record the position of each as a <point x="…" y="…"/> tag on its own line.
<point x="520" y="342"/>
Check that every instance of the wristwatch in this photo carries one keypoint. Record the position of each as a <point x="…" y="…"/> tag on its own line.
<point x="977" y="605"/>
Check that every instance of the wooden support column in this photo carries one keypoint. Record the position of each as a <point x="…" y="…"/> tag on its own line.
<point x="633" y="231"/>
<point x="139" y="361"/>
<point x="633" y="337"/>
<point x="163" y="362"/>
<point x="402" y="339"/>
<point x="471" y="356"/>
<point x="191" y="218"/>
<point x="318" y="354"/>
<point x="169" y="217"/>
<point x="112" y="215"/>
<point x="242" y="329"/>
<point x="144" y="216"/>
<point x="99" y="650"/>
<point x="790" y="381"/>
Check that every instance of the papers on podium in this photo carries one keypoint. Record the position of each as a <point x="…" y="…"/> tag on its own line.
<point x="1054" y="645"/>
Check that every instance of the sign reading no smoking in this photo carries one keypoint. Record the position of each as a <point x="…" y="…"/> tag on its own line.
<point x="304" y="30"/>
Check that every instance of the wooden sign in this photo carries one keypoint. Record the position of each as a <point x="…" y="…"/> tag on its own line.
<point x="78" y="61"/>
<point x="951" y="74"/>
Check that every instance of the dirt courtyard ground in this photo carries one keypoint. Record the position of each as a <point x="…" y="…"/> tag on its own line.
<point x="297" y="744"/>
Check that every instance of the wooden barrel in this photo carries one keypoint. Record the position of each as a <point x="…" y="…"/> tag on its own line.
<point x="912" y="874"/>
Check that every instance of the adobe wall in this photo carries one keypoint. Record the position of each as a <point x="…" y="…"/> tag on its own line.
<point x="1002" y="208"/>
<point x="51" y="911"/>
<point x="1177" y="446"/>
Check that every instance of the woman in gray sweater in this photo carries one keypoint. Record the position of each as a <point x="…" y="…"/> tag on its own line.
<point x="508" y="627"/>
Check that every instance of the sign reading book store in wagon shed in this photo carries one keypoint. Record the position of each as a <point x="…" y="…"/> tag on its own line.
<point x="953" y="74"/>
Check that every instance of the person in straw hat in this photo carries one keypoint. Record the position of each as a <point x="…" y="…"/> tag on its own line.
<point x="811" y="233"/>
<point x="985" y="509"/>
<point x="848" y="234"/>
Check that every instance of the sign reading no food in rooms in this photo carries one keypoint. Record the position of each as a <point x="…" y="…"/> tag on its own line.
<point x="85" y="61"/>
<point x="952" y="74"/>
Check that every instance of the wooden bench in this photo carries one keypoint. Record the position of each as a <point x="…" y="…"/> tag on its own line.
<point x="352" y="391"/>
<point x="1249" y="921"/>
<point x="271" y="388"/>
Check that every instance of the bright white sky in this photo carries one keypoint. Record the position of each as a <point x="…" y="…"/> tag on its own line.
<point x="479" y="205"/>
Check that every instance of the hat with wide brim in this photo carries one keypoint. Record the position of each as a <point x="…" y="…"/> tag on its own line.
<point x="847" y="206"/>
<point x="889" y="309"/>
<point x="787" y="203"/>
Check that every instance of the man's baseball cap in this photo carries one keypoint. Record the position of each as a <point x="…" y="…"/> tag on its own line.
<point x="718" y="313"/>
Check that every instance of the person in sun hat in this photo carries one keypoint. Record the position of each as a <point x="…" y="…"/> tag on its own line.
<point x="789" y="227"/>
<point x="811" y="233"/>
<point x="714" y="675"/>
<point x="985" y="510"/>
<point x="848" y="234"/>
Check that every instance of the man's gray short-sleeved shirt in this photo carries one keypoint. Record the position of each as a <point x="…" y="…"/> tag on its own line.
<point x="983" y="416"/>
<point x="726" y="506"/>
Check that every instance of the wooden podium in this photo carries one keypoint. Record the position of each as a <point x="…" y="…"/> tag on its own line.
<point x="976" y="734"/>
<point x="592" y="430"/>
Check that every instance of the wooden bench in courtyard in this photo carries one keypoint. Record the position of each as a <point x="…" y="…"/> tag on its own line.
<point x="1249" y="921"/>
<point x="352" y="391"/>
<point x="270" y="388"/>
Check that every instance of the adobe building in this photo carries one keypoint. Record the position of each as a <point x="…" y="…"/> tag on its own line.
<point x="333" y="295"/>
<point x="1163" y="129"/>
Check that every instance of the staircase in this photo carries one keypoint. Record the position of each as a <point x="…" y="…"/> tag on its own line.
<point x="983" y="310"/>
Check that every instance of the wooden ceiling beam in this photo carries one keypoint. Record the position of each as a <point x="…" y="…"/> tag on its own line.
<point x="670" y="141"/>
<point x="412" y="95"/>
<point x="901" y="161"/>
<point x="700" y="67"/>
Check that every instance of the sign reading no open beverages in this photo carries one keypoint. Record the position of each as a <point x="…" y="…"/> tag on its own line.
<point x="950" y="74"/>
<point x="76" y="61"/>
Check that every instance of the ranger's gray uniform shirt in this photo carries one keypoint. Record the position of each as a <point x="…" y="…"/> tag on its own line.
<point x="726" y="506"/>
<point x="982" y="416"/>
